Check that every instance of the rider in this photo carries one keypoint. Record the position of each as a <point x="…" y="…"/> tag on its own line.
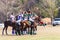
<point x="25" y="16"/>
<point x="19" y="18"/>
<point x="26" y="19"/>
<point x="31" y="17"/>
<point x="12" y="19"/>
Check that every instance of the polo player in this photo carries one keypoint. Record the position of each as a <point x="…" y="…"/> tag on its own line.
<point x="19" y="18"/>
<point x="12" y="19"/>
<point x="29" y="17"/>
<point x="32" y="20"/>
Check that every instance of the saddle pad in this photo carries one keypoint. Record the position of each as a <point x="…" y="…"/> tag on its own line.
<point x="29" y="22"/>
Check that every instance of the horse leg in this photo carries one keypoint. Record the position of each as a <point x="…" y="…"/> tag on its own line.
<point x="34" y="30"/>
<point x="32" y="25"/>
<point x="6" y="31"/>
<point x="28" y="30"/>
<point x="31" y="31"/>
<point x="25" y="31"/>
<point x="3" y="31"/>
<point x="18" y="32"/>
<point x="13" y="31"/>
<point x="22" y="30"/>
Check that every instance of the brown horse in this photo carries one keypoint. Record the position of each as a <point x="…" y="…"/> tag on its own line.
<point x="33" y="28"/>
<point x="25" y="25"/>
<point x="7" y="24"/>
<point x="29" y="26"/>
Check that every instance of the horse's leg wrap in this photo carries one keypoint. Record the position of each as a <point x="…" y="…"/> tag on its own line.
<point x="13" y="32"/>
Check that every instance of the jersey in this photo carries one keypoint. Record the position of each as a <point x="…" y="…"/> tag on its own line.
<point x="12" y="18"/>
<point x="25" y="16"/>
<point x="20" y="18"/>
<point x="32" y="17"/>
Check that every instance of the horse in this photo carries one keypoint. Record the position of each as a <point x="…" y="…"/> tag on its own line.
<point x="20" y="24"/>
<point x="26" y="25"/>
<point x="7" y="24"/>
<point x="29" y="26"/>
<point x="33" y="27"/>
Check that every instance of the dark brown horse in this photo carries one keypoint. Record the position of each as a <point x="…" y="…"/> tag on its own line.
<point x="24" y="25"/>
<point x="9" y="23"/>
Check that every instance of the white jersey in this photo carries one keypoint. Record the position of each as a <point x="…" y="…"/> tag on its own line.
<point x="12" y="18"/>
<point x="20" y="18"/>
<point x="25" y="18"/>
<point x="31" y="19"/>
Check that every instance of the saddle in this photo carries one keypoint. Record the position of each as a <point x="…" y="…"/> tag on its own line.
<point x="27" y="22"/>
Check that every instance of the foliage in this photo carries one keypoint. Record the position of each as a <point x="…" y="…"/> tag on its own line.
<point x="46" y="8"/>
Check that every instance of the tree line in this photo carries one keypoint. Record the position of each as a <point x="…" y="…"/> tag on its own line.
<point x="44" y="8"/>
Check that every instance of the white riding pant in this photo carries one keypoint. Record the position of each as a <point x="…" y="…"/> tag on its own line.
<point x="18" y="21"/>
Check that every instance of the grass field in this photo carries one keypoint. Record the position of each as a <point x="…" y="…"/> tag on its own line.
<point x="43" y="33"/>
